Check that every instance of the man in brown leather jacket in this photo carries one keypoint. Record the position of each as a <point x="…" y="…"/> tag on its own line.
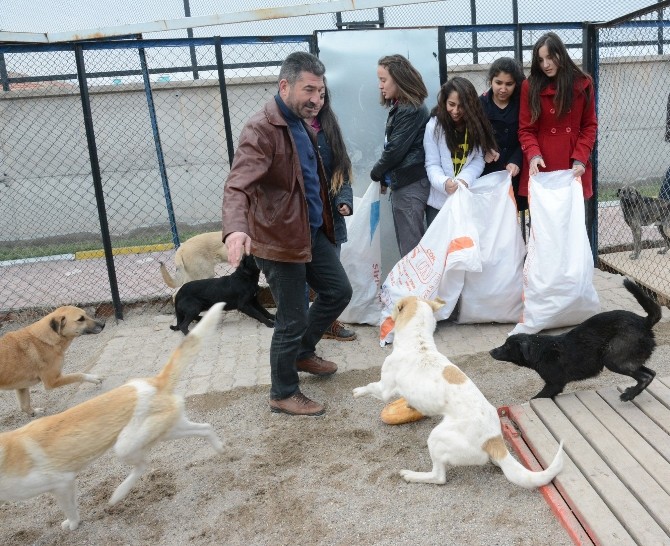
<point x="276" y="206"/>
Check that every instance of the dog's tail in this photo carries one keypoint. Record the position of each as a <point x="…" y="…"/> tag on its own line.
<point x="167" y="278"/>
<point x="515" y="472"/>
<point x="652" y="308"/>
<point x="167" y="379"/>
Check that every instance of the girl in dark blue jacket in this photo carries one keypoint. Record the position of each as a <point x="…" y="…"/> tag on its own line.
<point x="501" y="106"/>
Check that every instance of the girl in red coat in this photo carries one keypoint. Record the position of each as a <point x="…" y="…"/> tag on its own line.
<point x="557" y="115"/>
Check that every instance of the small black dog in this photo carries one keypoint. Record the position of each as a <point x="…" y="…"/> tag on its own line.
<point x="639" y="211"/>
<point x="621" y="341"/>
<point x="238" y="290"/>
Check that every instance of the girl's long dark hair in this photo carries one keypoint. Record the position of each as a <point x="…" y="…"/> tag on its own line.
<point x="566" y="76"/>
<point x="341" y="163"/>
<point x="411" y="89"/>
<point x="480" y="134"/>
<point x="510" y="66"/>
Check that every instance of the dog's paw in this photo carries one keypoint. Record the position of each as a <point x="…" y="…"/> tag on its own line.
<point x="410" y="476"/>
<point x="36" y="412"/>
<point x="627" y="395"/>
<point x="71" y="525"/>
<point x="634" y="256"/>
<point x="360" y="391"/>
<point x="92" y="378"/>
<point x="270" y="324"/>
<point x="663" y="251"/>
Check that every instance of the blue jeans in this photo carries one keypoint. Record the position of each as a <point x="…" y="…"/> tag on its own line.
<point x="298" y="330"/>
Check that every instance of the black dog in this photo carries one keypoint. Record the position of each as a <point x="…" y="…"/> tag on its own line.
<point x="238" y="290"/>
<point x="621" y="341"/>
<point x="639" y="211"/>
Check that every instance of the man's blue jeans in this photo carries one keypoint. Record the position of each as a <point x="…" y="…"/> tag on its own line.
<point x="298" y="330"/>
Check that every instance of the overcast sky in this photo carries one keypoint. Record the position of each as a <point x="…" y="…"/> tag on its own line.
<point x="64" y="15"/>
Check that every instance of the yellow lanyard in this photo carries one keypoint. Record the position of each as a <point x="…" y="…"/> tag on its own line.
<point x="458" y="163"/>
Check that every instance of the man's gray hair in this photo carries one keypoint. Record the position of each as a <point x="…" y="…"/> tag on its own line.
<point x="297" y="62"/>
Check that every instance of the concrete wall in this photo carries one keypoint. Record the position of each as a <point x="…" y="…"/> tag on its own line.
<point x="45" y="175"/>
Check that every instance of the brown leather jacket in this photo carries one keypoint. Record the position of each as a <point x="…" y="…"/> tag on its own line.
<point x="264" y="195"/>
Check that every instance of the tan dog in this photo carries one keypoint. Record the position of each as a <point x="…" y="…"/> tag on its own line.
<point x="196" y="259"/>
<point x="45" y="455"/>
<point x="469" y="433"/>
<point x="36" y="353"/>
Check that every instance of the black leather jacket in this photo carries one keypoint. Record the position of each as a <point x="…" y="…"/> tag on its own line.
<point x="403" y="156"/>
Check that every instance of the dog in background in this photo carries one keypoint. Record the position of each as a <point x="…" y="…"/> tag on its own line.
<point x="36" y="353"/>
<point x="469" y="433"/>
<point x="641" y="211"/>
<point x="45" y="455"/>
<point x="620" y="341"/>
<point x="196" y="259"/>
<point x="239" y="290"/>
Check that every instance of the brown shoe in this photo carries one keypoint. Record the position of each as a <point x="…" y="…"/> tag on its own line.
<point x="316" y="366"/>
<point x="297" y="404"/>
<point x="338" y="332"/>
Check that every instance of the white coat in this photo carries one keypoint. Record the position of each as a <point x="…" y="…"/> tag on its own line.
<point x="440" y="167"/>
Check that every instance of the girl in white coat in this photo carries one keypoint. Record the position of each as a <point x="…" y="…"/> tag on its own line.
<point x="457" y="137"/>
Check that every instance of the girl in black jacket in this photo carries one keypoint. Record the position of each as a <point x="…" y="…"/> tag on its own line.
<point x="401" y="165"/>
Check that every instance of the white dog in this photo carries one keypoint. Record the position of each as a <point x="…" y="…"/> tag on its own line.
<point x="470" y="432"/>
<point x="46" y="454"/>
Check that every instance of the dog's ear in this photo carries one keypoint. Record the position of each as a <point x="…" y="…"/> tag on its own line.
<point x="436" y="304"/>
<point x="397" y="309"/>
<point x="404" y="306"/>
<point x="525" y="346"/>
<point x="534" y="351"/>
<point x="57" y="325"/>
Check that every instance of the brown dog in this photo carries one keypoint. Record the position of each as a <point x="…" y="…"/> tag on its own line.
<point x="36" y="353"/>
<point x="196" y="259"/>
<point x="45" y="455"/>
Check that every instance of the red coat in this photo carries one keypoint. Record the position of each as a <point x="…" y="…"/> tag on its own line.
<point x="562" y="140"/>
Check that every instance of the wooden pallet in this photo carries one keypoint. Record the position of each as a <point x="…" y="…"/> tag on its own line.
<point x="615" y="486"/>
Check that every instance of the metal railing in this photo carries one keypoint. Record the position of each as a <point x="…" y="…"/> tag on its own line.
<point x="112" y="153"/>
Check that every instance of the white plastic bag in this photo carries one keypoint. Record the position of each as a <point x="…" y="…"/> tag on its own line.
<point x="495" y="293"/>
<point x="435" y="267"/>
<point x="361" y="259"/>
<point x="558" y="273"/>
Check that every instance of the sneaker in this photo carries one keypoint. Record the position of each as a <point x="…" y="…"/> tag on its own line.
<point x="338" y="331"/>
<point x="297" y="404"/>
<point x="316" y="366"/>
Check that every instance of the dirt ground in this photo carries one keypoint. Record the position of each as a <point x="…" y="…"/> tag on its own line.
<point x="291" y="480"/>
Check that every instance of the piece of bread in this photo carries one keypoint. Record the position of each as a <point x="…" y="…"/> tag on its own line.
<point x="398" y="413"/>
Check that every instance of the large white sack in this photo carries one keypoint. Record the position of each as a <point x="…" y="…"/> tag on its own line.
<point x="558" y="273"/>
<point x="434" y="268"/>
<point x="361" y="259"/>
<point x="494" y="294"/>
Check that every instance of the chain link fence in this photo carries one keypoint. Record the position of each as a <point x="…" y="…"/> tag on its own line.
<point x="112" y="153"/>
<point x="105" y="172"/>
<point x="633" y="85"/>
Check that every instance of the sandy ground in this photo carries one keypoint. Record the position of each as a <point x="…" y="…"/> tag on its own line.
<point x="290" y="480"/>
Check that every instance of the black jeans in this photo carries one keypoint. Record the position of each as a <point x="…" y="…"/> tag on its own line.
<point x="297" y="330"/>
